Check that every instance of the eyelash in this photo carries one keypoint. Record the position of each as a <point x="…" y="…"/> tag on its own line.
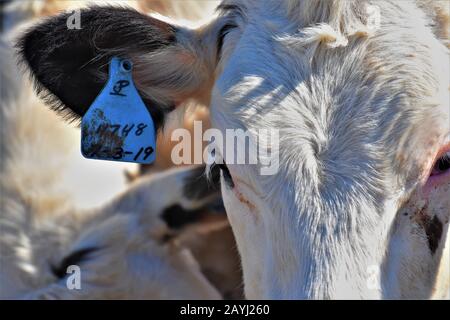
<point x="222" y="34"/>
<point x="226" y="174"/>
<point x="222" y="167"/>
<point x="442" y="165"/>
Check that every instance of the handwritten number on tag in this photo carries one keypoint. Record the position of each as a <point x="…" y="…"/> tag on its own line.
<point x="118" y="126"/>
<point x="101" y="129"/>
<point x="115" y="128"/>
<point x="126" y="130"/>
<point x="118" y="86"/>
<point x="147" y="153"/>
<point x="120" y="153"/>
<point x="140" y="129"/>
<point x="95" y="150"/>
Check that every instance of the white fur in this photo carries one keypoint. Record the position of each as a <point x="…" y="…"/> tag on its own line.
<point x="359" y="123"/>
<point x="362" y="114"/>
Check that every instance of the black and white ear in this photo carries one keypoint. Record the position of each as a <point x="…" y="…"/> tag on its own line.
<point x="200" y="205"/>
<point x="178" y="198"/>
<point x="70" y="65"/>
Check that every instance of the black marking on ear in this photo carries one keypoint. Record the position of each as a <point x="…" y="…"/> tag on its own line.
<point x="70" y="66"/>
<point x="198" y="185"/>
<point x="433" y="229"/>
<point x="74" y="258"/>
<point x="177" y="217"/>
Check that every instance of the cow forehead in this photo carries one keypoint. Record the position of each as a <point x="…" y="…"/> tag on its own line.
<point x="323" y="98"/>
<point x="270" y="56"/>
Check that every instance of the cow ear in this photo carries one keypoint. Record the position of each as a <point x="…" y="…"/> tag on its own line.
<point x="174" y="201"/>
<point x="186" y="187"/>
<point x="70" y="65"/>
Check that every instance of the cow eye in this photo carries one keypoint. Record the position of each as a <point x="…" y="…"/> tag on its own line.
<point x="226" y="175"/>
<point x="75" y="258"/>
<point x="219" y="162"/>
<point x="442" y="165"/>
<point x="222" y="34"/>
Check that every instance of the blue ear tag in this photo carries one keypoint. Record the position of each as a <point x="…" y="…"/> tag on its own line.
<point x="118" y="126"/>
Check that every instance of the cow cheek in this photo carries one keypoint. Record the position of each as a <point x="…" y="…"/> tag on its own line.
<point x="429" y="213"/>
<point x="250" y="240"/>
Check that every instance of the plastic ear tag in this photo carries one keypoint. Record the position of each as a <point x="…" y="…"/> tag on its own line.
<point x="118" y="126"/>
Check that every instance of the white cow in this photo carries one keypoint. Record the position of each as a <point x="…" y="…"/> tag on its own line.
<point x="359" y="92"/>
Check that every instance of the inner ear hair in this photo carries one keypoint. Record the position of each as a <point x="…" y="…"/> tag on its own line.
<point x="69" y="66"/>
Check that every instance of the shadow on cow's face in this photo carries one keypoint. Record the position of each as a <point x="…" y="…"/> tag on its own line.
<point x="360" y="204"/>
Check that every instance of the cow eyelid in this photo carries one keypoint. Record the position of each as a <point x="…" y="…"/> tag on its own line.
<point x="222" y="34"/>
<point x="442" y="165"/>
<point x="226" y="174"/>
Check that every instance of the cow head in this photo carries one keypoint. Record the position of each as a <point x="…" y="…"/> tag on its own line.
<point x="359" y="93"/>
